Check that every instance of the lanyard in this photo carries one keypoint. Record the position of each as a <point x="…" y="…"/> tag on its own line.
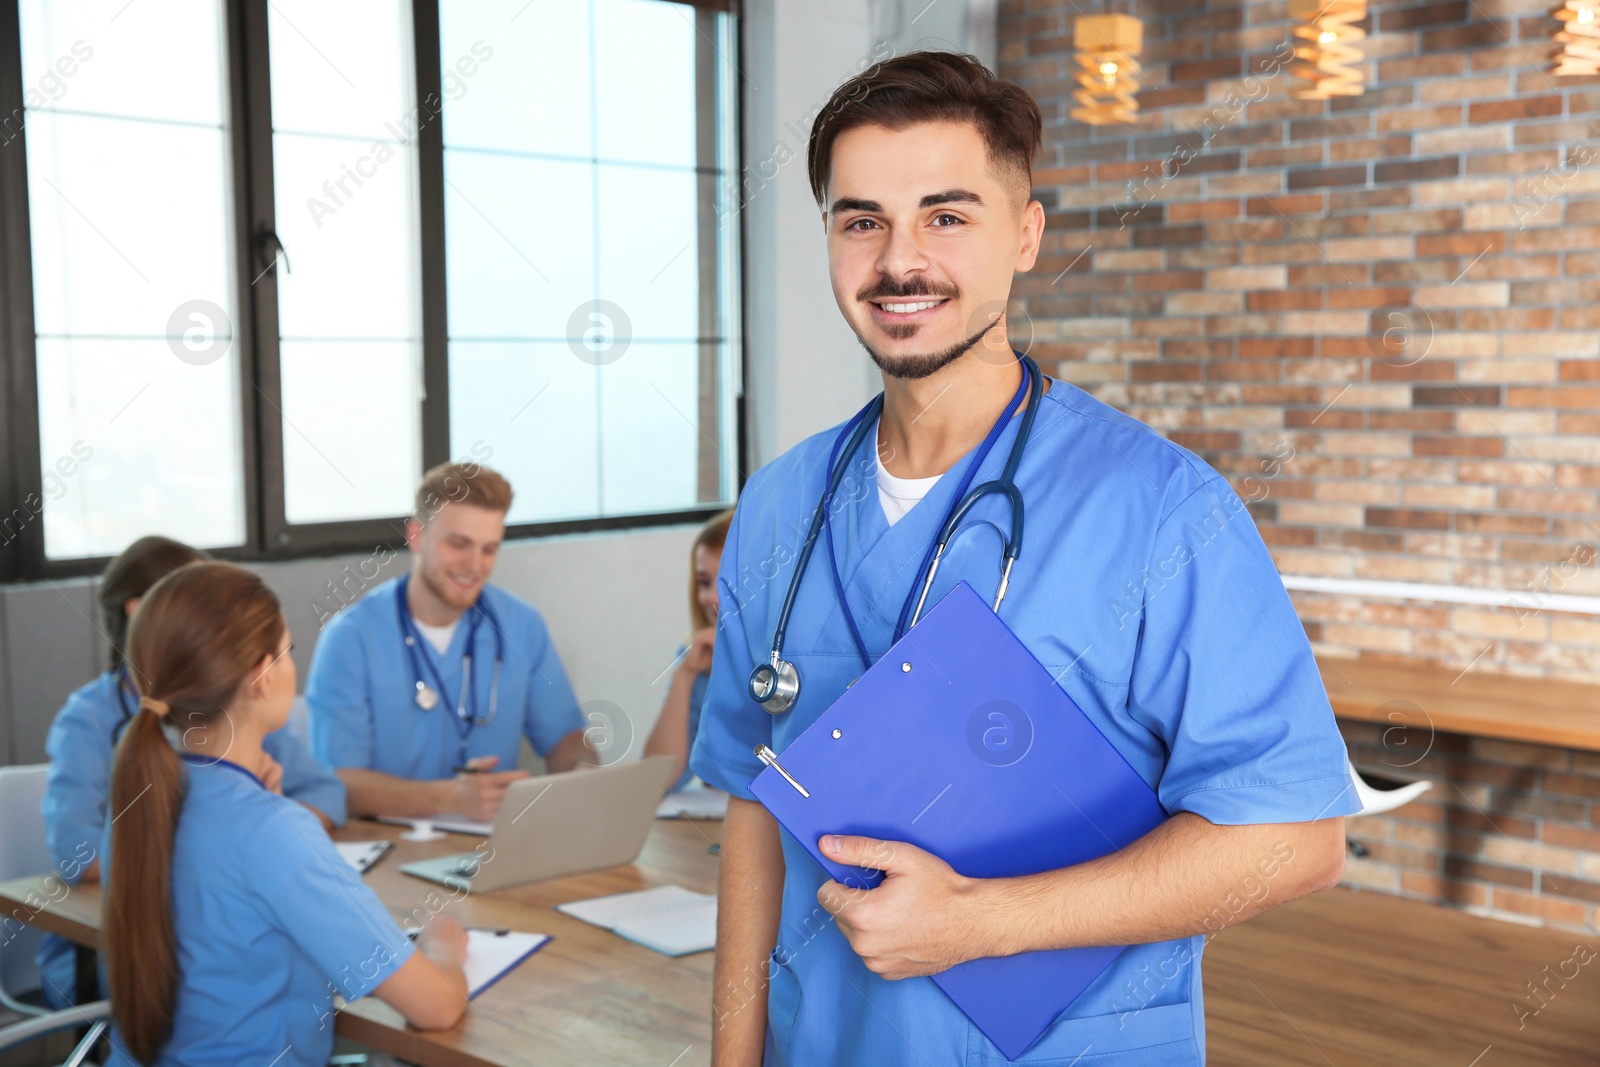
<point x="956" y="501"/>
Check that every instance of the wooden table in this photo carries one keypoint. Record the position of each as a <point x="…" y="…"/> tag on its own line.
<point x="1544" y="711"/>
<point x="1355" y="979"/>
<point x="588" y="997"/>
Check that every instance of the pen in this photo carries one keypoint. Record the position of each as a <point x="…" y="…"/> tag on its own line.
<point x="468" y="768"/>
<point x="497" y="931"/>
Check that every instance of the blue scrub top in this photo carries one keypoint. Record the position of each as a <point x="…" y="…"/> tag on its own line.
<point x="270" y="923"/>
<point x="1143" y="585"/>
<point x="697" y="699"/>
<point x="361" y="690"/>
<point x="82" y="747"/>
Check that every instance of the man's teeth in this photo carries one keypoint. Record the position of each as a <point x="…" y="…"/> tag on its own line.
<point x="905" y="309"/>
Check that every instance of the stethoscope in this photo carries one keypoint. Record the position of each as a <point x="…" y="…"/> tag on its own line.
<point x="427" y="696"/>
<point x="775" y="685"/>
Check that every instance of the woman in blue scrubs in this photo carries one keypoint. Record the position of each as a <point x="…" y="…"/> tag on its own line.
<point x="680" y="713"/>
<point x="230" y="920"/>
<point x="1142" y="586"/>
<point x="85" y="731"/>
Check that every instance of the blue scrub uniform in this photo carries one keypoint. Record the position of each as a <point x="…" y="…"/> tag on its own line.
<point x="1143" y="585"/>
<point x="270" y="924"/>
<point x="697" y="700"/>
<point x="82" y="747"/>
<point x="362" y="690"/>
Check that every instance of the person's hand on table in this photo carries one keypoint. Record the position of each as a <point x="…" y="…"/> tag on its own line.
<point x="921" y="919"/>
<point x="479" y="793"/>
<point x="444" y="941"/>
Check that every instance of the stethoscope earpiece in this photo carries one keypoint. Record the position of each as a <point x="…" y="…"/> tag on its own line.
<point x="775" y="686"/>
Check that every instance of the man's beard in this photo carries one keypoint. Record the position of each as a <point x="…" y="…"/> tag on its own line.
<point x="915" y="367"/>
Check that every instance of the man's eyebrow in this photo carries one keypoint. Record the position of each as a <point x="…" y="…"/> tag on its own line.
<point x="852" y="203"/>
<point x="952" y="196"/>
<point x="949" y="196"/>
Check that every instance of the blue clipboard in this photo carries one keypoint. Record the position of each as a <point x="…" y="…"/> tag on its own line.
<point x="959" y="741"/>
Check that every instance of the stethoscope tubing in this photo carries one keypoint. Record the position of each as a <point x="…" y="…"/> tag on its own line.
<point x="420" y="661"/>
<point x="775" y="685"/>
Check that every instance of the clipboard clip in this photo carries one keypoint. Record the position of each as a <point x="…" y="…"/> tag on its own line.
<point x="770" y="758"/>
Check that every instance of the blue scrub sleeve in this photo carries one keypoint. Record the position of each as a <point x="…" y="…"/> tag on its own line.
<point x="732" y="724"/>
<point x="304" y="779"/>
<point x="77" y="789"/>
<point x="552" y="708"/>
<point x="322" y="905"/>
<point x="1224" y="674"/>
<point x="338" y="696"/>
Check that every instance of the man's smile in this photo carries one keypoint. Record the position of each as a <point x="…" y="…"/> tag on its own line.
<point x="906" y="310"/>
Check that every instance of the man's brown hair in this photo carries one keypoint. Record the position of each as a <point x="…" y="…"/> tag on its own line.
<point x="461" y="483"/>
<point x="933" y="87"/>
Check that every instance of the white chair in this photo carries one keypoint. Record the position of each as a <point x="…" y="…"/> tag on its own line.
<point x="93" y="1016"/>
<point x="1376" y="801"/>
<point x="22" y="853"/>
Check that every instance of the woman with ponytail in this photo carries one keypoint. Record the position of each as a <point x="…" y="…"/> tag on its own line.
<point x="83" y="740"/>
<point x="230" y="921"/>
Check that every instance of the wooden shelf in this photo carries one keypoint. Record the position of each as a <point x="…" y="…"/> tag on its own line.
<point x="1537" y="710"/>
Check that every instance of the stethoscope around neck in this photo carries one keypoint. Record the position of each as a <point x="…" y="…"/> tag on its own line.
<point x="775" y="685"/>
<point x="427" y="696"/>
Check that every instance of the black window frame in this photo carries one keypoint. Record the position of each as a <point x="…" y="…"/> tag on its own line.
<point x="268" y="535"/>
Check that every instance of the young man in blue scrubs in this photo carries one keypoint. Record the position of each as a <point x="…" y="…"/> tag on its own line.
<point x="83" y="740"/>
<point x="1144" y="588"/>
<point x="426" y="685"/>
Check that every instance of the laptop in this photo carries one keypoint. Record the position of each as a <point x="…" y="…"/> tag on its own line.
<point x="560" y="824"/>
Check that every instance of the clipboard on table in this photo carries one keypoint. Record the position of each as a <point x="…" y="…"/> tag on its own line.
<point x="959" y="741"/>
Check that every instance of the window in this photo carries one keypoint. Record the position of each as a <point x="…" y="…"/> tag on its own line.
<point x="344" y="173"/>
<point x="587" y="317"/>
<point x="128" y="184"/>
<point x="281" y="256"/>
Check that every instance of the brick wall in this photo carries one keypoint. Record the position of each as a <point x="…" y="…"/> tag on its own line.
<point x="1508" y="830"/>
<point x="1380" y="317"/>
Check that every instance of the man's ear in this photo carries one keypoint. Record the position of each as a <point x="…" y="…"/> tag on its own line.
<point x="1032" y="223"/>
<point x="414" y="534"/>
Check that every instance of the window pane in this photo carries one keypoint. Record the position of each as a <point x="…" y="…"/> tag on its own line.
<point x="648" y="418"/>
<point x="519" y="254"/>
<point x="136" y="442"/>
<point x="605" y="249"/>
<point x="529" y="403"/>
<point x="516" y="76"/>
<point x="644" y="82"/>
<point x="342" y="69"/>
<point x="339" y="458"/>
<point x="649" y="262"/>
<point x="128" y="181"/>
<point x="108" y="57"/>
<point x="345" y="195"/>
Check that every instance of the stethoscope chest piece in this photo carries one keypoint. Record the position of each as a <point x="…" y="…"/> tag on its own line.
<point x="426" y="698"/>
<point x="775" y="686"/>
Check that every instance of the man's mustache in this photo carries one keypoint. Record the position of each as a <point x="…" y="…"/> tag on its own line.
<point x="892" y="290"/>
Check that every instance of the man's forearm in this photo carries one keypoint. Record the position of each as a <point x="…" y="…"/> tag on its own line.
<point x="572" y="750"/>
<point x="749" y="901"/>
<point x="375" y="793"/>
<point x="1188" y="876"/>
